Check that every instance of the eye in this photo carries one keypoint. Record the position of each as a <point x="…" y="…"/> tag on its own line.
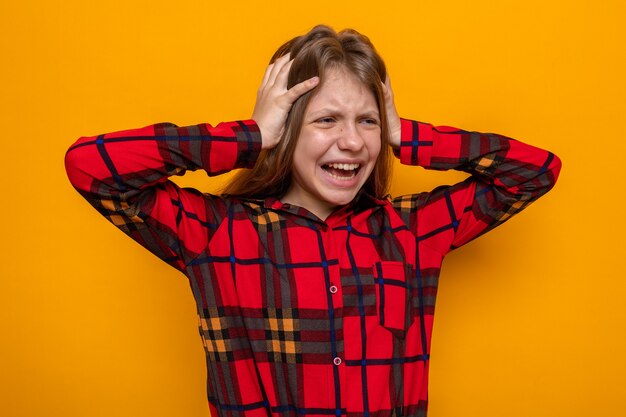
<point x="326" y="122"/>
<point x="370" y="121"/>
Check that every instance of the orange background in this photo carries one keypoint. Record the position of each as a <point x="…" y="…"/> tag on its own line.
<point x="530" y="318"/>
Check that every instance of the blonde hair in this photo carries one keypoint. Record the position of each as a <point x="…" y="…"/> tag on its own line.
<point x="315" y="53"/>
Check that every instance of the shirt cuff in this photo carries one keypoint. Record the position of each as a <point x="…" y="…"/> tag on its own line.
<point x="233" y="145"/>
<point x="249" y="143"/>
<point x="416" y="143"/>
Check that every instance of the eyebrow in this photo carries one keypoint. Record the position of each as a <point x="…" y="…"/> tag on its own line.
<point x="331" y="111"/>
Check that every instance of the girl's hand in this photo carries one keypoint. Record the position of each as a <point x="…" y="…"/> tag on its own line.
<point x="274" y="100"/>
<point x="393" y="120"/>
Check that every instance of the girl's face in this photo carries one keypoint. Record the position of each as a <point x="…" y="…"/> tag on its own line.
<point x="338" y="145"/>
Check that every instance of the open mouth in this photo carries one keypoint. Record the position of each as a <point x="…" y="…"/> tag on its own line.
<point x="342" y="172"/>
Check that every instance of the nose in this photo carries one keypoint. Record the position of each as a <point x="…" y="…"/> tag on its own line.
<point x="350" y="138"/>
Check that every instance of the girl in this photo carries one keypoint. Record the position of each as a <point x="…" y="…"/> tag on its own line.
<point x="315" y="291"/>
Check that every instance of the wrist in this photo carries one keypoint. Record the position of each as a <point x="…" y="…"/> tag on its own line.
<point x="395" y="137"/>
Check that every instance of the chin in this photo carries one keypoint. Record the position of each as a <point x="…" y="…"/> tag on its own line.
<point x="336" y="201"/>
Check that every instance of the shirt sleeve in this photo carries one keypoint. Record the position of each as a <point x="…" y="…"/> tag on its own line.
<point x="506" y="176"/>
<point x="124" y="175"/>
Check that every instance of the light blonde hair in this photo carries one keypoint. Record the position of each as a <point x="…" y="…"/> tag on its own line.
<point x="315" y="53"/>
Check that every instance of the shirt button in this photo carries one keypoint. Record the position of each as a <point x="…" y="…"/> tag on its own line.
<point x="337" y="361"/>
<point x="333" y="289"/>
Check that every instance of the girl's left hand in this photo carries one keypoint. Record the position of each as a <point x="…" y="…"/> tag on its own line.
<point x="393" y="120"/>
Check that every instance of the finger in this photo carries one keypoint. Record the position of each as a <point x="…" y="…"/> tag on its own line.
<point x="283" y="75"/>
<point x="270" y="71"/>
<point x="301" y="88"/>
<point x="277" y="67"/>
<point x="266" y="76"/>
<point x="385" y="90"/>
<point x="387" y="87"/>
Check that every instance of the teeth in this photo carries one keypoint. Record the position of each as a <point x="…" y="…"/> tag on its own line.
<point x="342" y="177"/>
<point x="345" y="167"/>
<point x="349" y="169"/>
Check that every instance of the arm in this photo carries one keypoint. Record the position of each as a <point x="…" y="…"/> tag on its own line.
<point x="506" y="176"/>
<point x="124" y="175"/>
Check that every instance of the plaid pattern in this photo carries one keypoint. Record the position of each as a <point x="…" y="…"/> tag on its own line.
<point x="300" y="316"/>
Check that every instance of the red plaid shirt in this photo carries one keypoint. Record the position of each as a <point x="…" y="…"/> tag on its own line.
<point x="299" y="315"/>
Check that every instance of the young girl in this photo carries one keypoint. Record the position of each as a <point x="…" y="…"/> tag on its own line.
<point x="315" y="292"/>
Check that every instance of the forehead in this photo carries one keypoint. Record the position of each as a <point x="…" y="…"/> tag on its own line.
<point x="342" y="90"/>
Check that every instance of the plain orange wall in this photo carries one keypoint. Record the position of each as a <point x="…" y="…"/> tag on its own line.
<point x="530" y="318"/>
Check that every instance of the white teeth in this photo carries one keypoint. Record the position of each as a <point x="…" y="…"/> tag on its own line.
<point x="343" y="177"/>
<point x="345" y="167"/>
<point x="349" y="169"/>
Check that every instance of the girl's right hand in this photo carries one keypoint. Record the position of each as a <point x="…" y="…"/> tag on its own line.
<point x="274" y="100"/>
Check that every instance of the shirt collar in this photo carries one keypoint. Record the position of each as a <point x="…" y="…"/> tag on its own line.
<point x="363" y="201"/>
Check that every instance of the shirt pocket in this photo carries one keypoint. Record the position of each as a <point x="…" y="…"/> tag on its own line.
<point x="393" y="296"/>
